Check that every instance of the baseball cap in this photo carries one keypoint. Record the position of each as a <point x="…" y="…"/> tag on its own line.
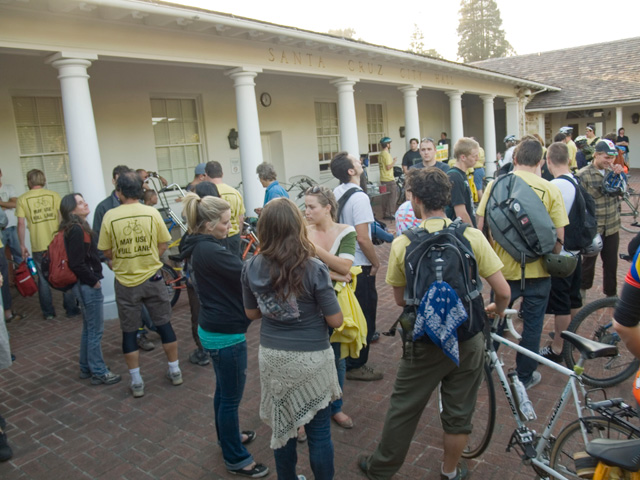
<point x="200" y="169"/>
<point x="606" y="146"/>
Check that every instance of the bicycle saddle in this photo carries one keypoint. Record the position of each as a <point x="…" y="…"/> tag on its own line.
<point x="624" y="454"/>
<point x="176" y="258"/>
<point x="589" y="348"/>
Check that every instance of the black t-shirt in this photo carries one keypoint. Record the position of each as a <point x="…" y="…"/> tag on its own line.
<point x="411" y="158"/>
<point x="624" y="138"/>
<point x="460" y="193"/>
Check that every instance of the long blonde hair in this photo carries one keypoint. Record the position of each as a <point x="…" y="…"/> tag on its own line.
<point x="284" y="243"/>
<point x="199" y="211"/>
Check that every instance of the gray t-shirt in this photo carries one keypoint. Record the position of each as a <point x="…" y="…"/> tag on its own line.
<point x="296" y="324"/>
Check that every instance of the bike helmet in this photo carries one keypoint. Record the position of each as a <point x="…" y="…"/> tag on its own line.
<point x="510" y="139"/>
<point x="384" y="141"/>
<point x="594" y="249"/>
<point x="615" y="183"/>
<point x="566" y="130"/>
<point x="560" y="265"/>
<point x="581" y="141"/>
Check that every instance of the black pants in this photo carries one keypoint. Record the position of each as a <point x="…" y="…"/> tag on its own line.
<point x="609" y="256"/>
<point x="367" y="296"/>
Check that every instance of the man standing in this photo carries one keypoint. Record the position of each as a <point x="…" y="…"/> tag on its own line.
<point x="39" y="209"/>
<point x="8" y="202"/>
<point x="623" y="141"/>
<point x="213" y="171"/>
<point x="428" y="154"/>
<point x="134" y="236"/>
<point x="607" y="215"/>
<point x="386" y="162"/>
<point x="445" y="141"/>
<point x="357" y="213"/>
<point x="412" y="156"/>
<point x="424" y="365"/>
<point x="591" y="136"/>
<point x="573" y="149"/>
<point x="527" y="161"/>
<point x="510" y="142"/>
<point x="269" y="179"/>
<point x="199" y="175"/>
<point x="466" y="151"/>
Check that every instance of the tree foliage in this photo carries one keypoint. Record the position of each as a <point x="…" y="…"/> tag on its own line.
<point x="417" y="44"/>
<point x="343" y="32"/>
<point x="480" y="31"/>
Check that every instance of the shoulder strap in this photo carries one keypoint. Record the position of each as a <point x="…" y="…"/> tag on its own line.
<point x="569" y="179"/>
<point x="344" y="198"/>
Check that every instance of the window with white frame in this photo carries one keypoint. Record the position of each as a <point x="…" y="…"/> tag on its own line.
<point x="327" y="132"/>
<point x="375" y="130"/>
<point x="177" y="136"/>
<point x="42" y="140"/>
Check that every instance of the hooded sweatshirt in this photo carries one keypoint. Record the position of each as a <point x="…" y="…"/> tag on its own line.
<point x="217" y="273"/>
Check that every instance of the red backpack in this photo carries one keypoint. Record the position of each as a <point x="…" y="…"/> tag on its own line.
<point x="55" y="263"/>
<point x="25" y="283"/>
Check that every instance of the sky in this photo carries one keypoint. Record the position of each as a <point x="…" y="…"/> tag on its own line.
<point x="549" y="25"/>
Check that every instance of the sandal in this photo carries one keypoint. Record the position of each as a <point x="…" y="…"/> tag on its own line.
<point x="251" y="436"/>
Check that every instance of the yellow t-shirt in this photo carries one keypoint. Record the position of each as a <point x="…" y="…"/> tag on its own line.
<point x="384" y="160"/>
<point x="234" y="198"/>
<point x="132" y="232"/>
<point x="553" y="202"/>
<point x="488" y="261"/>
<point x="572" y="154"/>
<point x="40" y="207"/>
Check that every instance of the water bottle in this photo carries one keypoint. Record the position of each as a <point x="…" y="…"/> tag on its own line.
<point x="32" y="266"/>
<point x="520" y="397"/>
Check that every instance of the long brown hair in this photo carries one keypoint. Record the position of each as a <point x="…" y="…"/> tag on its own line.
<point x="284" y="243"/>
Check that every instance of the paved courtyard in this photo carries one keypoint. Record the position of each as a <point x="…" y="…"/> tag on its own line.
<point x="61" y="427"/>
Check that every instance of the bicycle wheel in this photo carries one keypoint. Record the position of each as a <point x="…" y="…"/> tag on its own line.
<point x="629" y="214"/>
<point x="484" y="417"/>
<point x="594" y="321"/>
<point x="172" y="281"/>
<point x="570" y="441"/>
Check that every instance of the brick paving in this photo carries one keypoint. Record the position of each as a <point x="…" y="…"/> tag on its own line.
<point x="61" y="427"/>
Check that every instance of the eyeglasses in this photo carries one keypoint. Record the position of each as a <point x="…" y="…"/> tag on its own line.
<point x="427" y="139"/>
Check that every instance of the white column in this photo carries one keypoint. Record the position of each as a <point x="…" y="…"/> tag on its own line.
<point x="347" y="115"/>
<point x="513" y="119"/>
<point x="457" y="128"/>
<point x="248" y="135"/>
<point x="489" y="135"/>
<point x="411" y="117"/>
<point x="619" y="119"/>
<point x="82" y="138"/>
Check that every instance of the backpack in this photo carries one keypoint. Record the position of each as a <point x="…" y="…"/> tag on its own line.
<point x="343" y="200"/>
<point x="25" y="283"/>
<point x="445" y="255"/>
<point x="583" y="225"/>
<point x="519" y="221"/>
<point x="55" y="263"/>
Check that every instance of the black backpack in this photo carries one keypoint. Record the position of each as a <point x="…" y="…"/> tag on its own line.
<point x="583" y="225"/>
<point x="343" y="201"/>
<point x="445" y="255"/>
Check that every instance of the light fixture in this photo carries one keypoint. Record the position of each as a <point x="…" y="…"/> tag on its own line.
<point x="635" y="118"/>
<point x="233" y="139"/>
<point x="402" y="130"/>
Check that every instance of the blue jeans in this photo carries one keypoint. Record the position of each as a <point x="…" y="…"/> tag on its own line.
<point x="10" y="239"/>
<point x="341" y="367"/>
<point x="230" y="366"/>
<point x="91" y="300"/>
<point x="318" y="432"/>
<point x="534" y="304"/>
<point x="44" y="293"/>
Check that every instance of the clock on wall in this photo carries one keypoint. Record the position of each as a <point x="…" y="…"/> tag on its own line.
<point x="265" y="99"/>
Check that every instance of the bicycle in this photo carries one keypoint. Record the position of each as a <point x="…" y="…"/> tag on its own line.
<point x="630" y="201"/>
<point x="301" y="182"/>
<point x="537" y="450"/>
<point x="612" y="459"/>
<point x="595" y="321"/>
<point x="249" y="244"/>
<point x="174" y="279"/>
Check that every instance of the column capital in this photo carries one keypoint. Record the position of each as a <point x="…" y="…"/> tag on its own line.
<point x="243" y="72"/>
<point x="409" y="89"/>
<point x="512" y="100"/>
<point x="487" y="98"/>
<point x="62" y="58"/>
<point x="455" y="94"/>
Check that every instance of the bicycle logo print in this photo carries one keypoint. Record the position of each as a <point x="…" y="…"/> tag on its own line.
<point x="41" y="209"/>
<point x="133" y="236"/>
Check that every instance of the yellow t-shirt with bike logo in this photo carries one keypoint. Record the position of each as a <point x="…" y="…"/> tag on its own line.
<point x="40" y="207"/>
<point x="132" y="232"/>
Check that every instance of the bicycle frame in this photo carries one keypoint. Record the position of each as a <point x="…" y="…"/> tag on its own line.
<point x="523" y="436"/>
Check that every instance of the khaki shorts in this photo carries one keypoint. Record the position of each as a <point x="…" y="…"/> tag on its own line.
<point x="153" y="294"/>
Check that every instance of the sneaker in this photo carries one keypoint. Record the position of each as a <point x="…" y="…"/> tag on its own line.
<point x="108" y="378"/>
<point x="84" y="375"/>
<point x="175" y="378"/>
<point x="5" y="450"/>
<point x="364" y="374"/>
<point x="144" y="343"/>
<point x="49" y="317"/>
<point x="15" y="317"/>
<point x="137" y="389"/>
<point x="258" y="471"/>
<point x="198" y="357"/>
<point x="375" y="337"/>
<point x="302" y="477"/>
<point x="534" y="380"/>
<point x="462" y="472"/>
<point x="362" y="463"/>
<point x="549" y="354"/>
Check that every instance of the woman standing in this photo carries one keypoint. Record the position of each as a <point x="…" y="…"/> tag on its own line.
<point x="292" y="292"/>
<point x="335" y="245"/>
<point x="81" y="244"/>
<point x="222" y="323"/>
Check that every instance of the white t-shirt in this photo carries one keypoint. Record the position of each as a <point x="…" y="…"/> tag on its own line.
<point x="508" y="157"/>
<point x="7" y="192"/>
<point x="356" y="212"/>
<point x="567" y="190"/>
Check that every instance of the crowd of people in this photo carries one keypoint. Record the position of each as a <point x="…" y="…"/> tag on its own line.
<point x="313" y="280"/>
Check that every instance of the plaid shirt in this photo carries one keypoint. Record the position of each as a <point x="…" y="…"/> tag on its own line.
<point x="607" y="207"/>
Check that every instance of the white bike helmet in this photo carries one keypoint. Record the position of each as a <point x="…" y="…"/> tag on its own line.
<point x="594" y="249"/>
